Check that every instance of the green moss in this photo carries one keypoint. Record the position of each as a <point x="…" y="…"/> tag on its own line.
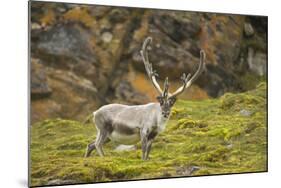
<point x="254" y="100"/>
<point x="177" y="113"/>
<point x="189" y="123"/>
<point x="211" y="134"/>
<point x="249" y="80"/>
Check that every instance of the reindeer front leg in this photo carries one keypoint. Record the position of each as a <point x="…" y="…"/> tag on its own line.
<point x="144" y="143"/>
<point x="150" y="137"/>
<point x="148" y="148"/>
<point x="147" y="137"/>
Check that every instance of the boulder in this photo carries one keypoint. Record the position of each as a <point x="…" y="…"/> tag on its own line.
<point x="257" y="62"/>
<point x="249" y="30"/>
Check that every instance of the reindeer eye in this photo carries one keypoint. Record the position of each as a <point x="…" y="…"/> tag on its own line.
<point x="172" y="101"/>
<point x="160" y="99"/>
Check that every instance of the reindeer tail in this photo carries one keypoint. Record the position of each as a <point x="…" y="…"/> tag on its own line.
<point x="88" y="118"/>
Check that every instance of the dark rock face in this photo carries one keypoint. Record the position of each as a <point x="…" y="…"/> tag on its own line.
<point x="178" y="38"/>
<point x="67" y="47"/>
<point x="39" y="84"/>
<point x="125" y="92"/>
<point x="67" y="40"/>
<point x="87" y="56"/>
<point x="185" y="26"/>
<point x="169" y="56"/>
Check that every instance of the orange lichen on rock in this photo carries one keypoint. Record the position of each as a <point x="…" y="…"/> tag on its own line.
<point x="48" y="18"/>
<point x="81" y="15"/>
<point x="140" y="33"/>
<point x="204" y="40"/>
<point x="142" y="84"/>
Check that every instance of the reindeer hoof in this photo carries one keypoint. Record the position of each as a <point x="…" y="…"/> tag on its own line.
<point x="145" y="159"/>
<point x="87" y="154"/>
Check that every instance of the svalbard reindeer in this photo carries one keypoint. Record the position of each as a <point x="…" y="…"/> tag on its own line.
<point x="130" y="124"/>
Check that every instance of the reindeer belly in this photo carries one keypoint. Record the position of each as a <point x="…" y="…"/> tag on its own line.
<point x="123" y="138"/>
<point x="124" y="133"/>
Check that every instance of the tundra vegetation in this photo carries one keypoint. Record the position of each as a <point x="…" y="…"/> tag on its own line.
<point x="219" y="136"/>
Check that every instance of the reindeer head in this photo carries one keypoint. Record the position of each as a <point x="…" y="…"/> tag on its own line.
<point x="166" y="99"/>
<point x="166" y="102"/>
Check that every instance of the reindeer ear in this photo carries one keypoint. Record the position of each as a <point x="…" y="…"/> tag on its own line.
<point x="160" y="99"/>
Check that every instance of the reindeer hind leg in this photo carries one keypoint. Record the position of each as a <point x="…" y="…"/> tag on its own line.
<point x="92" y="146"/>
<point x="100" y="141"/>
<point x="89" y="149"/>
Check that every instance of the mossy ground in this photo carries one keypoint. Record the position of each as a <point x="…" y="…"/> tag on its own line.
<point x="212" y="134"/>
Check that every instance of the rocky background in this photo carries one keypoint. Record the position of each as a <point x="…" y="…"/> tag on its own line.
<point x="83" y="56"/>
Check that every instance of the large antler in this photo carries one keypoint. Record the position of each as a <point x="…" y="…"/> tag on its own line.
<point x="186" y="81"/>
<point x="148" y="66"/>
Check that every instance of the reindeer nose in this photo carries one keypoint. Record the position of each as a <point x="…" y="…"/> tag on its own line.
<point x="166" y="114"/>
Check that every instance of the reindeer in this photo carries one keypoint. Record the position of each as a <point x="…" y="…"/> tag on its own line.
<point x="130" y="124"/>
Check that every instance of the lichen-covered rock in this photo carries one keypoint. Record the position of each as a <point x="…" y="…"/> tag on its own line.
<point x="249" y="30"/>
<point x="101" y="44"/>
<point x="67" y="47"/>
<point x="168" y="53"/>
<point x="39" y="83"/>
<point x="257" y="62"/>
<point x="126" y="93"/>
<point x="245" y="113"/>
<point x="178" y="38"/>
<point x="72" y="97"/>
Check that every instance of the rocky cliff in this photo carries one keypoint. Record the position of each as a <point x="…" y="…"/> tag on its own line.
<point x="85" y="56"/>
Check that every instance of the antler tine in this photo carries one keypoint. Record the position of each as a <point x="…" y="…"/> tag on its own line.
<point x="187" y="82"/>
<point x="148" y="66"/>
<point x="166" y="88"/>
